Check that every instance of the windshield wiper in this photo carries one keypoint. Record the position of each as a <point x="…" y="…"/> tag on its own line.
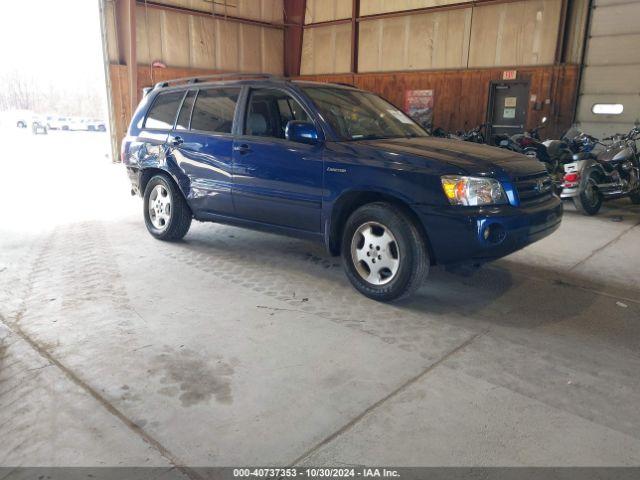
<point x="369" y="137"/>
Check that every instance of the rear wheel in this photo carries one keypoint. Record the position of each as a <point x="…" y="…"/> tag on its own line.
<point x="166" y="213"/>
<point x="383" y="252"/>
<point x="590" y="198"/>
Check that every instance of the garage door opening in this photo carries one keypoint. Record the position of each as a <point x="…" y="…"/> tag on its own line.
<point x="53" y="111"/>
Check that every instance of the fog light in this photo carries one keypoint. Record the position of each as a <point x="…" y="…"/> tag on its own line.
<point x="494" y="233"/>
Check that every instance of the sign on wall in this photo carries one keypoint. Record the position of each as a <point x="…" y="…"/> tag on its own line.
<point x="509" y="74"/>
<point x="418" y="104"/>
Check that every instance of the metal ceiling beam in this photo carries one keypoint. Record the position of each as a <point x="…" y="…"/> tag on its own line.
<point x="294" y="11"/>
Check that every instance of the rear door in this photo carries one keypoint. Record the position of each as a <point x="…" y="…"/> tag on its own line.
<point x="203" y="143"/>
<point x="276" y="181"/>
<point x="149" y="145"/>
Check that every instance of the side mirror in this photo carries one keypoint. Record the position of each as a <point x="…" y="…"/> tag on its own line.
<point x="301" y="132"/>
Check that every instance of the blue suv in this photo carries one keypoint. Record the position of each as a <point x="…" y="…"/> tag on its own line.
<point x="335" y="164"/>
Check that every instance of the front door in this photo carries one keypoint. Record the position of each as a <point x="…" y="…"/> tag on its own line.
<point x="202" y="144"/>
<point x="507" y="108"/>
<point x="276" y="181"/>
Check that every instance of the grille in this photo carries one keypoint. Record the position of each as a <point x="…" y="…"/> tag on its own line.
<point x="534" y="188"/>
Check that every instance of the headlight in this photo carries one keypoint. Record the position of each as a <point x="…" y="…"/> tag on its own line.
<point x="473" y="191"/>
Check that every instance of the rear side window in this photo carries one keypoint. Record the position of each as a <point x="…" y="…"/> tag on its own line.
<point x="163" y="112"/>
<point x="214" y="110"/>
<point x="185" y="111"/>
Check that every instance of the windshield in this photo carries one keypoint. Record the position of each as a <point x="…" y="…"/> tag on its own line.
<point x="572" y="133"/>
<point x="356" y="115"/>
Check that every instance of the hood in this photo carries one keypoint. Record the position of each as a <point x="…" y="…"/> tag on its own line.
<point x="471" y="158"/>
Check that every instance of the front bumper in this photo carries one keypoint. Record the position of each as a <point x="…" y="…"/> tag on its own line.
<point x="134" y="178"/>
<point x="460" y="235"/>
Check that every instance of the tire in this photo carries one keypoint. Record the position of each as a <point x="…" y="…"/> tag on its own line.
<point x="635" y="197"/>
<point x="164" y="223"/>
<point x="402" y="257"/>
<point x="586" y="203"/>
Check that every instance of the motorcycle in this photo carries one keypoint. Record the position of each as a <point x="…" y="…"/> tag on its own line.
<point x="612" y="172"/>
<point x="553" y="153"/>
<point x="474" y="135"/>
<point x="531" y="146"/>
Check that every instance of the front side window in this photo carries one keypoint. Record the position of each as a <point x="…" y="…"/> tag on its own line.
<point x="163" y="111"/>
<point x="357" y="115"/>
<point x="214" y="110"/>
<point x="269" y="111"/>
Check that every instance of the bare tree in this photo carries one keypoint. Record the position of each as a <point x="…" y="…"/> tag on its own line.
<point x="18" y="91"/>
<point x="23" y="92"/>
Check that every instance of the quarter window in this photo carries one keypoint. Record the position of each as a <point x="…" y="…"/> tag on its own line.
<point x="214" y="110"/>
<point x="163" y="112"/>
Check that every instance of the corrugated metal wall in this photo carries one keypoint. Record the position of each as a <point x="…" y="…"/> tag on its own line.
<point x="612" y="67"/>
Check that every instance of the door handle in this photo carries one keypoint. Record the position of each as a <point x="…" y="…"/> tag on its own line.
<point x="242" y="149"/>
<point x="175" y="141"/>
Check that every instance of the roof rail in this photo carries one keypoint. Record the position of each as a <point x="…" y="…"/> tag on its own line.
<point x="216" y="76"/>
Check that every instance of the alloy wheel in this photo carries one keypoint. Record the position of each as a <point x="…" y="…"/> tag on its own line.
<point x="375" y="253"/>
<point x="160" y="207"/>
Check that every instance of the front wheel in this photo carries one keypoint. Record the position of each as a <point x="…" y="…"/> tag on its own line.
<point x="635" y="197"/>
<point x="166" y="213"/>
<point x="590" y="198"/>
<point x="383" y="252"/>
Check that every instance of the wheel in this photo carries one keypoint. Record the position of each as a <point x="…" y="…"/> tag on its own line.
<point x="590" y="199"/>
<point x="635" y="197"/>
<point x="166" y="213"/>
<point x="21" y="124"/>
<point x="383" y="252"/>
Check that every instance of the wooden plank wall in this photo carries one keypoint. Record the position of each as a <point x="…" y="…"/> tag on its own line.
<point x="327" y="10"/>
<point x="521" y="32"/>
<point x="374" y="7"/>
<point x="461" y="96"/>
<point x="415" y="42"/>
<point x="263" y="10"/>
<point x="197" y="41"/>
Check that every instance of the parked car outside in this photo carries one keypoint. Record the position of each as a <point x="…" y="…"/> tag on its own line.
<point x="57" y="123"/>
<point x="96" y="126"/>
<point x="334" y="164"/>
<point x="39" y="126"/>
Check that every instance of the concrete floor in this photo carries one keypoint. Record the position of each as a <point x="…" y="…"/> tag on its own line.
<point x="243" y="348"/>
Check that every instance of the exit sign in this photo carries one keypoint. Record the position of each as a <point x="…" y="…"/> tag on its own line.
<point x="509" y="74"/>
